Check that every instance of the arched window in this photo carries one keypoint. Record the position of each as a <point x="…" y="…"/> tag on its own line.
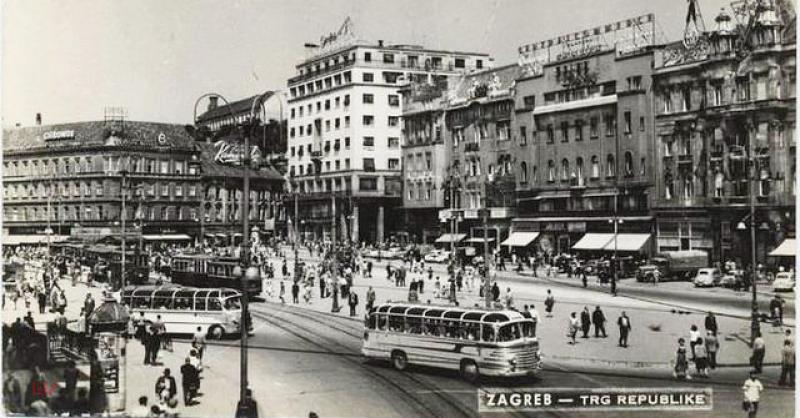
<point x="628" y="164"/>
<point x="611" y="168"/>
<point x="595" y="167"/>
<point x="688" y="187"/>
<point x="523" y="168"/>
<point x="579" y="170"/>
<point x="551" y="171"/>
<point x="564" y="169"/>
<point x="643" y="167"/>
<point x="534" y="175"/>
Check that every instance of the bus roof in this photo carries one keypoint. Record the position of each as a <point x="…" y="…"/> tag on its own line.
<point x="450" y="312"/>
<point x="170" y="289"/>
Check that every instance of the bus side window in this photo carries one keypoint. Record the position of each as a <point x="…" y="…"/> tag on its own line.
<point x="200" y="304"/>
<point x="414" y="325"/>
<point x="396" y="323"/>
<point x="140" y="302"/>
<point x="488" y="333"/>
<point x="162" y="303"/>
<point x="214" y="305"/>
<point x="382" y="322"/>
<point x="371" y="321"/>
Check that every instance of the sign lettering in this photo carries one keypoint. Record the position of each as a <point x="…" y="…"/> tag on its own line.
<point x="231" y="153"/>
<point x="58" y="135"/>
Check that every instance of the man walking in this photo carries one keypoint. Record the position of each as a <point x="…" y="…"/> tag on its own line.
<point x="711" y="323"/>
<point x="199" y="342"/>
<point x="752" y="389"/>
<point x="370" y="298"/>
<point x="549" y="302"/>
<point x="624" y="324"/>
<point x="586" y="322"/>
<point x="712" y="347"/>
<point x="787" y="364"/>
<point x="599" y="321"/>
<point x="88" y="304"/>
<point x="352" y="300"/>
<point x="165" y="386"/>
<point x="190" y="381"/>
<point x="295" y="292"/>
<point x="759" y="349"/>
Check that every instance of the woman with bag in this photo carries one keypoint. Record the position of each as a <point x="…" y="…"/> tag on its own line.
<point x="681" y="370"/>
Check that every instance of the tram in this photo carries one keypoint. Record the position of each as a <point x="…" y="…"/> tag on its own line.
<point x="206" y="271"/>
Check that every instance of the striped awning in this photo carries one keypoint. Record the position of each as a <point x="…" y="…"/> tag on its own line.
<point x="788" y="248"/>
<point x="628" y="242"/>
<point x="451" y="238"/>
<point x="592" y="241"/>
<point x="520" y="239"/>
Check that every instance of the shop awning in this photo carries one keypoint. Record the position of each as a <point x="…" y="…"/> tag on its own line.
<point x="479" y="239"/>
<point x="593" y="241"/>
<point x="32" y="239"/>
<point x="451" y="238"/>
<point x="628" y="242"/>
<point x="520" y="239"/>
<point x="167" y="237"/>
<point x="788" y="248"/>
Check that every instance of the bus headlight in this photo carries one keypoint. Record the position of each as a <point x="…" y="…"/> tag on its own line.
<point x="513" y="363"/>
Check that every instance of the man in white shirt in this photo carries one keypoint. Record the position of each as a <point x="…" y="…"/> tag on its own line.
<point x="752" y="389"/>
<point x="142" y="410"/>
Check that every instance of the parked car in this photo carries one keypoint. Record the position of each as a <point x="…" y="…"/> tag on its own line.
<point x="393" y="252"/>
<point x="784" y="282"/>
<point x="437" y="256"/>
<point x="707" y="277"/>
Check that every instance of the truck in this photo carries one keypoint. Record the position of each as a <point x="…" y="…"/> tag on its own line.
<point x="673" y="265"/>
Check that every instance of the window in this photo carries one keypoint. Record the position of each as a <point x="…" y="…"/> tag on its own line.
<point x="338" y="123"/>
<point x="327" y="104"/>
<point x="394" y="100"/>
<point x="98" y="188"/>
<point x="347" y="142"/>
<point x="327" y="125"/>
<point x="388" y="58"/>
<point x="641" y="123"/>
<point x="593" y="127"/>
<point x="164" y="167"/>
<point x="523" y="168"/>
<point x="367" y="57"/>
<point x="394" y="142"/>
<point x="368" y="120"/>
<point x="428" y="161"/>
<point x="338" y="165"/>
<point x="611" y="168"/>
<point x="550" y="134"/>
<point x="479" y="64"/>
<point x="368" y="183"/>
<point x="579" y="170"/>
<point x="179" y="190"/>
<point x="595" y="167"/>
<point x="346" y="100"/>
<point x="394" y="164"/>
<point x="368" y="77"/>
<point x="346" y="163"/>
<point x="667" y="101"/>
<point x="164" y="190"/>
<point x="459" y="63"/>
<point x="610" y="123"/>
<point x="394" y="121"/>
<point x="628" y="128"/>
<point x="551" y="171"/>
<point x="564" y="169"/>
<point x="643" y="167"/>
<point x="628" y="164"/>
<point x="686" y="99"/>
<point x="718" y="95"/>
<point x="369" y="141"/>
<point x="368" y="98"/>
<point x="564" y="131"/>
<point x="523" y="135"/>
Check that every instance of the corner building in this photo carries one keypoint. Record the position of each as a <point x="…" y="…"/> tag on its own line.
<point x="344" y="134"/>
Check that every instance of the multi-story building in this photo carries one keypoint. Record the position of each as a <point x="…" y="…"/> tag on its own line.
<point x="344" y="134"/>
<point x="479" y="115"/>
<point x="426" y="159"/>
<point x="725" y="113"/>
<point x="583" y="141"/>
<point x="70" y="176"/>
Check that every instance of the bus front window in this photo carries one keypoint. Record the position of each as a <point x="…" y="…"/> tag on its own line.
<point x="233" y="303"/>
<point x="529" y="329"/>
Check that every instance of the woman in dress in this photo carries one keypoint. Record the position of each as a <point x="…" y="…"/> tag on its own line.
<point x="681" y="363"/>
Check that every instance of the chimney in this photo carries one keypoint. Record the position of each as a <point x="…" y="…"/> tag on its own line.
<point x="38" y="119"/>
<point x="380" y="43"/>
<point x="212" y="102"/>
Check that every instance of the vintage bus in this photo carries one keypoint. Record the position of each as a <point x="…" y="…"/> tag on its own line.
<point x="216" y="311"/>
<point x="203" y="270"/>
<point x="473" y="341"/>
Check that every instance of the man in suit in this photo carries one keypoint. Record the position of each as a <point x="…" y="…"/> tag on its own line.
<point x="599" y="321"/>
<point x="624" y="324"/>
<point x="586" y="322"/>
<point x="190" y="381"/>
<point x="711" y="323"/>
<point x="165" y="386"/>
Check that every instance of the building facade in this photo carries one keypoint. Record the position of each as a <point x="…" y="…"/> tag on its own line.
<point x="583" y="138"/>
<point x="725" y="133"/>
<point x="344" y="133"/>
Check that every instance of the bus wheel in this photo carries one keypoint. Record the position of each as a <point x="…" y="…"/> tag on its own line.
<point x="216" y="332"/>
<point x="469" y="371"/>
<point x="399" y="360"/>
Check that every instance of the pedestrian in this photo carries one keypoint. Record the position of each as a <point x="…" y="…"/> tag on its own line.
<point x="681" y="370"/>
<point x="534" y="317"/>
<point x="787" y="364"/>
<point x="572" y="328"/>
<point x="599" y="321"/>
<point x="190" y="381"/>
<point x="584" y="280"/>
<point x="701" y="358"/>
<point x="788" y="337"/>
<point x="141" y="410"/>
<point x="71" y="374"/>
<point x="586" y="322"/>
<point x="370" y="299"/>
<point x="495" y="292"/>
<point x="295" y="292"/>
<point x="549" y="302"/>
<point x="199" y="342"/>
<point x="759" y="349"/>
<point x="165" y="386"/>
<point x="12" y="394"/>
<point x="509" y="299"/>
<point x="712" y="348"/>
<point x="752" y="389"/>
<point x="88" y="304"/>
<point x="694" y="335"/>
<point x="352" y="301"/>
<point x="322" y="286"/>
<point x="41" y="299"/>
<point x="155" y="344"/>
<point x="161" y="332"/>
<point x="711" y="323"/>
<point x="282" y="292"/>
<point x="146" y="337"/>
<point x="624" y="324"/>
<point x="36" y="388"/>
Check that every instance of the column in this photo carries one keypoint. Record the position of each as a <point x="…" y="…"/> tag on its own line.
<point x="354" y="223"/>
<point x="379" y="234"/>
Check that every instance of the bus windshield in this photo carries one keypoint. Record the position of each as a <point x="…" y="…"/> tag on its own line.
<point x="232" y="303"/>
<point x="515" y="331"/>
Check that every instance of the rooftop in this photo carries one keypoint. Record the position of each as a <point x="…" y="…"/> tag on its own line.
<point x="238" y="107"/>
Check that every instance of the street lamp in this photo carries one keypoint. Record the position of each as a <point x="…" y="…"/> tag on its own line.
<point x="755" y="326"/>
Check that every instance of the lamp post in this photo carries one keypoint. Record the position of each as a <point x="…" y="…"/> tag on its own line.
<point x="334" y="262"/>
<point x="122" y="191"/>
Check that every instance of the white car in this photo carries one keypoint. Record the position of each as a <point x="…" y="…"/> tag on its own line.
<point x="393" y="252"/>
<point x="437" y="256"/>
<point x="784" y="282"/>
<point x="707" y="277"/>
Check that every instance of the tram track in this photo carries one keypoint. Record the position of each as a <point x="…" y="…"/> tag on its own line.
<point x="385" y="376"/>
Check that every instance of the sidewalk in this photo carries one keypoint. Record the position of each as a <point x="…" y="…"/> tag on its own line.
<point x="75" y="296"/>
<point x="653" y="339"/>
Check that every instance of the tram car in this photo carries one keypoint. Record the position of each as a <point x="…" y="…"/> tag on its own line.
<point x="209" y="271"/>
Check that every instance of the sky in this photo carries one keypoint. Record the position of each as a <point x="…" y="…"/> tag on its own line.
<point x="69" y="59"/>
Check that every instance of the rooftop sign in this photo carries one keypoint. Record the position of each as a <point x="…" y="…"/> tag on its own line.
<point x="343" y="36"/>
<point x="58" y="135"/>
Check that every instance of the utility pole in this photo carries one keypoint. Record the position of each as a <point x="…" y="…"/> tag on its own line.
<point x="334" y="263"/>
<point x="487" y="286"/>
<point x="754" y="326"/>
<point x="245" y="260"/>
<point x="296" y="230"/>
<point x="122" y="190"/>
